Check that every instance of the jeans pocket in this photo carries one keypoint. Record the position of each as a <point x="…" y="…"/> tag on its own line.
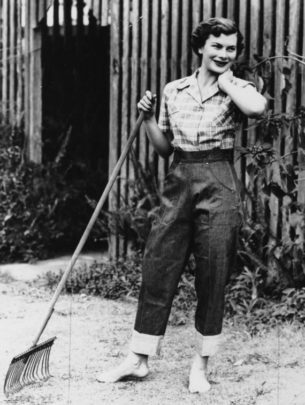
<point x="228" y="180"/>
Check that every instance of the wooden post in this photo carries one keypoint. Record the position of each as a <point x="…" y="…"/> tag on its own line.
<point x="19" y="67"/>
<point x="145" y="47"/>
<point x="115" y="113"/>
<point x="301" y="141"/>
<point x="125" y="113"/>
<point x="164" y="73"/>
<point x="231" y="9"/>
<point x="153" y="157"/>
<point x="219" y="8"/>
<point x="274" y="203"/>
<point x="34" y="85"/>
<point x="289" y="138"/>
<point x="12" y="63"/>
<point x="196" y="17"/>
<point x="5" y="55"/>
<point x="185" y="41"/>
<point x="175" y="38"/>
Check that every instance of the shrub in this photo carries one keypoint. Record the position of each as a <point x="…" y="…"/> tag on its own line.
<point x="43" y="208"/>
<point x="121" y="279"/>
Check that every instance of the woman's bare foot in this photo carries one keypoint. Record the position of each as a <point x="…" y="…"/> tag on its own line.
<point x="198" y="375"/>
<point x="135" y="365"/>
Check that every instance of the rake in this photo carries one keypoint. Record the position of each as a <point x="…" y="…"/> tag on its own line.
<point x="32" y="365"/>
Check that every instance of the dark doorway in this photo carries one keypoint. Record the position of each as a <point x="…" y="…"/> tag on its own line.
<point x="75" y="94"/>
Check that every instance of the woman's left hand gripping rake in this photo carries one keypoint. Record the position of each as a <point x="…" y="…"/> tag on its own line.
<point x="33" y="365"/>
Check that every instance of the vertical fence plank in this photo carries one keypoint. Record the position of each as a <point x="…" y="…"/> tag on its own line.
<point x="241" y="134"/>
<point x="145" y="48"/>
<point x="164" y="76"/>
<point x="19" y="67"/>
<point x="185" y="41"/>
<point x="105" y="11"/>
<point x="254" y="37"/>
<point x="175" y="28"/>
<point x="35" y="110"/>
<point x="294" y="27"/>
<point x="115" y="115"/>
<point x="12" y="63"/>
<point x="242" y="21"/>
<point x="219" y="8"/>
<point x="289" y="139"/>
<point x="208" y="9"/>
<point x="274" y="203"/>
<point x="301" y="140"/>
<point x="135" y="73"/>
<point x="196" y="17"/>
<point x="268" y="28"/>
<point x="231" y="9"/>
<point x="155" y="69"/>
<point x="5" y="49"/>
<point x="125" y="110"/>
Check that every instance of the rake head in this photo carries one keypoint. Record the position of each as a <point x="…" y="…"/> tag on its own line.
<point x="28" y="367"/>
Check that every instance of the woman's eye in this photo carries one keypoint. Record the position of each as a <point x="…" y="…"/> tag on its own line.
<point x="233" y="49"/>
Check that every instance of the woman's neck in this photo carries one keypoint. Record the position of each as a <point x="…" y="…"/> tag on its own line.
<point x="206" y="78"/>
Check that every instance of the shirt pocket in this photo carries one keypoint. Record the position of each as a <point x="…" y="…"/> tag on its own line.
<point x="179" y="119"/>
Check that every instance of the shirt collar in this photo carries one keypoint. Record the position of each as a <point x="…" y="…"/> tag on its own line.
<point x="191" y="83"/>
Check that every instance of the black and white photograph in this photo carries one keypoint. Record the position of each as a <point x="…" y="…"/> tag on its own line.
<point x="152" y="202"/>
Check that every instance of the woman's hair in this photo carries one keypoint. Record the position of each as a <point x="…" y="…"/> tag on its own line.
<point x="216" y="27"/>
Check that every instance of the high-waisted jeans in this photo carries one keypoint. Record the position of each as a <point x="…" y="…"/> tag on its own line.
<point x="200" y="212"/>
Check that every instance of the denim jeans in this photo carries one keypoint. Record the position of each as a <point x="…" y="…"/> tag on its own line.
<point x="200" y="213"/>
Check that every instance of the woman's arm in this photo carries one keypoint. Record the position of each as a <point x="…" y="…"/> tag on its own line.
<point x="155" y="135"/>
<point x="247" y="99"/>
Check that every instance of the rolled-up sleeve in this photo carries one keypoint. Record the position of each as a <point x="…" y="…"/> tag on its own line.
<point x="163" y="121"/>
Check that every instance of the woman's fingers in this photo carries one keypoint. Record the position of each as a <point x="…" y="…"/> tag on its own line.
<point x="147" y="102"/>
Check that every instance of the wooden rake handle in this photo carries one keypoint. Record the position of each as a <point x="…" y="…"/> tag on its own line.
<point x="89" y="227"/>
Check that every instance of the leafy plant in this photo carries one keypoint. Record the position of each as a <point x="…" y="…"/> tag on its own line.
<point x="43" y="208"/>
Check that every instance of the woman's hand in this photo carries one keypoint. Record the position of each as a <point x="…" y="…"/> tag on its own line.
<point x="147" y="105"/>
<point x="224" y="78"/>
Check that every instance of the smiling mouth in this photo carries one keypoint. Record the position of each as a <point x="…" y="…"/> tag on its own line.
<point x="220" y="64"/>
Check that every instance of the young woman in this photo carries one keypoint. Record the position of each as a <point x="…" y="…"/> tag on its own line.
<point x="201" y="207"/>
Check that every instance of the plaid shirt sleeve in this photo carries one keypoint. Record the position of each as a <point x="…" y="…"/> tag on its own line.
<point x="163" y="121"/>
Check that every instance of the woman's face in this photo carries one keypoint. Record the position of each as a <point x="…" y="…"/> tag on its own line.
<point x="219" y="53"/>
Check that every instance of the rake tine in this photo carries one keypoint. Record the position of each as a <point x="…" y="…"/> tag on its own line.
<point x="29" y="372"/>
<point x="14" y="380"/>
<point x="46" y="363"/>
<point x="34" y="367"/>
<point x="16" y="373"/>
<point x="24" y="378"/>
<point x="38" y="366"/>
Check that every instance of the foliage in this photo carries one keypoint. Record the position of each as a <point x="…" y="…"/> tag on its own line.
<point x="43" y="207"/>
<point x="122" y="278"/>
<point x="133" y="218"/>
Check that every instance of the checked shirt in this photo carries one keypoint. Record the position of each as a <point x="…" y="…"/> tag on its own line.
<point x="194" y="122"/>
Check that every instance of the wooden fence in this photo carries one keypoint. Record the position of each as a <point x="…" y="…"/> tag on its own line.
<point x="150" y="45"/>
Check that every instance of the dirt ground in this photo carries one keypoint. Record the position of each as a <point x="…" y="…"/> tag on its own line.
<point x="261" y="370"/>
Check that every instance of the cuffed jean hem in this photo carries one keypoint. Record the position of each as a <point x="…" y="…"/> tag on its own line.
<point x="142" y="343"/>
<point x="208" y="345"/>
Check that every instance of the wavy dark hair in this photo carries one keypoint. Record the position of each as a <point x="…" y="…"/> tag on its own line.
<point x="216" y="27"/>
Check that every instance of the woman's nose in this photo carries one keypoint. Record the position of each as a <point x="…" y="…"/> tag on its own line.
<point x="223" y="53"/>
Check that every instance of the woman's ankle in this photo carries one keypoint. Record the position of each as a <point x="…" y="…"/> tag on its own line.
<point x="138" y="357"/>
